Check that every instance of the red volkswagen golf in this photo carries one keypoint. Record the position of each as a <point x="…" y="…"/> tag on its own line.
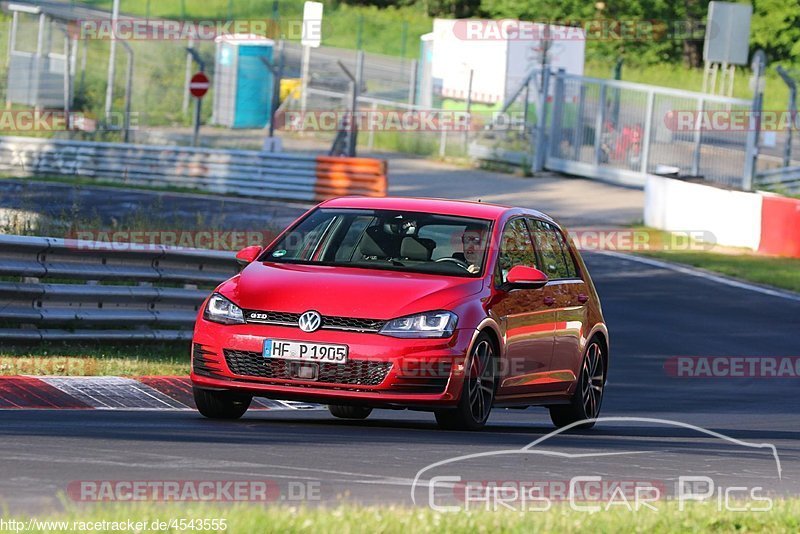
<point x="447" y="306"/>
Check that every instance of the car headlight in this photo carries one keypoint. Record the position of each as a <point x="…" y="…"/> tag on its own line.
<point x="429" y="324"/>
<point x="221" y="310"/>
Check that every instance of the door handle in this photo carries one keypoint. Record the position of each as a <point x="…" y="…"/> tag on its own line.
<point x="583" y="299"/>
<point x="549" y="301"/>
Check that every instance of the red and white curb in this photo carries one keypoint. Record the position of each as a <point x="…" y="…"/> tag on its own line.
<point x="111" y="393"/>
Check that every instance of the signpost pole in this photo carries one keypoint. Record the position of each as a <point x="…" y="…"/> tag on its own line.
<point x="198" y="86"/>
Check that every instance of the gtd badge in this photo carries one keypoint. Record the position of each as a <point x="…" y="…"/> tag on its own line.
<point x="310" y="321"/>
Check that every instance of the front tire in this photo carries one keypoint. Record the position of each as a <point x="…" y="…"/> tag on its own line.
<point x="585" y="402"/>
<point x="477" y="395"/>
<point x="220" y="404"/>
<point x="349" y="412"/>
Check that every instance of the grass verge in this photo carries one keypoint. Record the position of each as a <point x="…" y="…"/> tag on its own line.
<point x="96" y="359"/>
<point x="784" y="517"/>
<point x="783" y="273"/>
<point x="689" y="249"/>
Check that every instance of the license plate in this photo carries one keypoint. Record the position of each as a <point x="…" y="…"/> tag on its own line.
<point x="304" y="352"/>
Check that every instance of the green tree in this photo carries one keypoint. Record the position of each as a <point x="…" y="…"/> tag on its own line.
<point x="776" y="28"/>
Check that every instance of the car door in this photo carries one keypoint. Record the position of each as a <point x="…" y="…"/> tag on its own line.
<point x="525" y="316"/>
<point x="570" y="294"/>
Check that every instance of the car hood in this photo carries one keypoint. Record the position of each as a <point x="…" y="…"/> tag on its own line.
<point x="344" y="291"/>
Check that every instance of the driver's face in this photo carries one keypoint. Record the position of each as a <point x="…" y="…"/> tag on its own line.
<point x="473" y="246"/>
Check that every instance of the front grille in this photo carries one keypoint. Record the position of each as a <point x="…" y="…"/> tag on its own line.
<point x="354" y="372"/>
<point x="328" y="322"/>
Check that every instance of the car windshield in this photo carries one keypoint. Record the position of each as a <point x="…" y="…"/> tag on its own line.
<point x="386" y="239"/>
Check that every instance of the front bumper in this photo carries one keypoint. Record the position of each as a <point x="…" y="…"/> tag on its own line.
<point x="382" y="371"/>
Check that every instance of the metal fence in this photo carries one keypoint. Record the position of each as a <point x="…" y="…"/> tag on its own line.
<point x="619" y="131"/>
<point x="160" y="72"/>
<point x="62" y="289"/>
<point x="237" y="172"/>
<point x="613" y="130"/>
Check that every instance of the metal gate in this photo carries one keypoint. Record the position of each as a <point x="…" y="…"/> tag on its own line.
<point x="621" y="131"/>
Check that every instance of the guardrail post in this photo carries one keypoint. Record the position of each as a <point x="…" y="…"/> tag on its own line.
<point x="412" y="88"/>
<point x="128" y="92"/>
<point x="37" y="72"/>
<point x="697" y="140"/>
<point x="541" y="122"/>
<point x="751" y="152"/>
<point x="578" y="134"/>
<point x="792" y="85"/>
<point x="598" y="124"/>
<point x="187" y="78"/>
<point x="371" y="133"/>
<point x="557" y="116"/>
<point x="648" y="127"/>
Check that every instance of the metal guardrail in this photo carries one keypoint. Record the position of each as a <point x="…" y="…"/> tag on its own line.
<point x="69" y="289"/>
<point x="787" y="178"/>
<point x="235" y="172"/>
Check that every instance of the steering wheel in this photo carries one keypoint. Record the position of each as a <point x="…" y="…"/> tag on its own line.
<point x="458" y="262"/>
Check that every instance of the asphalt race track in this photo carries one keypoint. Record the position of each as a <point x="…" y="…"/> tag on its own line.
<point x="653" y="314"/>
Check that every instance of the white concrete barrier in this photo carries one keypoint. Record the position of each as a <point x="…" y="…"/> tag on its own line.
<point x="733" y="217"/>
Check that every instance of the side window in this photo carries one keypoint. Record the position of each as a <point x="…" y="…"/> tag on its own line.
<point x="515" y="249"/>
<point x="553" y="250"/>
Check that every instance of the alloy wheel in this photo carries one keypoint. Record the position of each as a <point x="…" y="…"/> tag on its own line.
<point x="481" y="381"/>
<point x="592" y="381"/>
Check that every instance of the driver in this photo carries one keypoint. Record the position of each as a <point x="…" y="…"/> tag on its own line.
<point x="473" y="242"/>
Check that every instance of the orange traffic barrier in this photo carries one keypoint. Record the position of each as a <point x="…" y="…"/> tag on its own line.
<point x="342" y="176"/>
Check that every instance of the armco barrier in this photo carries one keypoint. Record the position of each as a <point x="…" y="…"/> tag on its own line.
<point x="103" y="291"/>
<point x="233" y="172"/>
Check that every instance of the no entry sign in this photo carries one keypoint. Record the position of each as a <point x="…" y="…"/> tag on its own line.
<point x="199" y="84"/>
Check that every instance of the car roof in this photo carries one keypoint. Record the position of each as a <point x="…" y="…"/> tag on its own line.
<point x="464" y="208"/>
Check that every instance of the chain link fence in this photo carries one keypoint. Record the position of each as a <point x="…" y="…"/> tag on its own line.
<point x="605" y="129"/>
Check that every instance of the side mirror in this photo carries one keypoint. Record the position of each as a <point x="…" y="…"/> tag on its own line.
<point x="248" y="254"/>
<point x="522" y="277"/>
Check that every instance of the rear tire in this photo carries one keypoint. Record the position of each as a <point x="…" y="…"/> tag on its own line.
<point x="349" y="412"/>
<point x="477" y="395"/>
<point x="220" y="404"/>
<point x="585" y="402"/>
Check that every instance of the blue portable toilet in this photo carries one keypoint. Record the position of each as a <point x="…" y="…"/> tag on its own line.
<point x="242" y="82"/>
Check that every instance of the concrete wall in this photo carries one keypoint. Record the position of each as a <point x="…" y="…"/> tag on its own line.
<point x="733" y="217"/>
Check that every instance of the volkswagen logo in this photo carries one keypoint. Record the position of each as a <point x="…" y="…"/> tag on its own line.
<point x="310" y="321"/>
